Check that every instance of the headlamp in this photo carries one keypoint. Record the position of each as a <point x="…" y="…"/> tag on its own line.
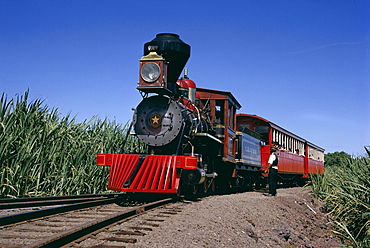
<point x="150" y="72"/>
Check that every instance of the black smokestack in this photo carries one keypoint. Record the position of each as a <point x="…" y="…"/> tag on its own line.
<point x="173" y="50"/>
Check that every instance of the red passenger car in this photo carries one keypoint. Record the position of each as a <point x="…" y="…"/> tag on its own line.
<point x="297" y="156"/>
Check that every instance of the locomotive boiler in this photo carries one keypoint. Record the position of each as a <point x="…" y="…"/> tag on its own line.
<point x="167" y="120"/>
<point x="196" y="142"/>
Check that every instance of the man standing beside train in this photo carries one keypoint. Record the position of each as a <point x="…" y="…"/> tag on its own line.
<point x="273" y="167"/>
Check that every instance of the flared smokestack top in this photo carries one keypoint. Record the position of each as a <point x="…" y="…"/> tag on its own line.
<point x="173" y="50"/>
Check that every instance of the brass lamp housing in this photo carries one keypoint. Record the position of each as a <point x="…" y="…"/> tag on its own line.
<point x="153" y="73"/>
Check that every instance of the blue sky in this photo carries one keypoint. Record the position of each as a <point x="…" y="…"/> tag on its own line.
<point x="303" y="65"/>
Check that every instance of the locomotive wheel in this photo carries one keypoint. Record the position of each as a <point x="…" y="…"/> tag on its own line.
<point x="195" y="189"/>
<point x="213" y="185"/>
<point x="179" y="193"/>
<point x="205" y="186"/>
<point x="209" y="185"/>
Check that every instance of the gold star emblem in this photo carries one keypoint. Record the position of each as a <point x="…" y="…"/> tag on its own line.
<point x="155" y="120"/>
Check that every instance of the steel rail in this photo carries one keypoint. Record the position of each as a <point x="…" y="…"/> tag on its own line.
<point x="73" y="234"/>
<point x="47" y="198"/>
<point x="13" y="219"/>
<point x="38" y="203"/>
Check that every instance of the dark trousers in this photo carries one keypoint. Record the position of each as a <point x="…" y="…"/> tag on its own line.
<point x="272" y="181"/>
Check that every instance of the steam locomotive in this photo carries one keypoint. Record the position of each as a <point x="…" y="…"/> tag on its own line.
<point x="196" y="142"/>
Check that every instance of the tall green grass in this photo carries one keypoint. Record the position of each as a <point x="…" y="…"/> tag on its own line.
<point x="42" y="153"/>
<point x="345" y="189"/>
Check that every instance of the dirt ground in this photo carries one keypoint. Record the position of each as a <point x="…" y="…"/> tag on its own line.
<point x="291" y="219"/>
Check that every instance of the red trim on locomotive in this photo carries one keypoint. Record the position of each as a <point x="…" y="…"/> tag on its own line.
<point x="145" y="173"/>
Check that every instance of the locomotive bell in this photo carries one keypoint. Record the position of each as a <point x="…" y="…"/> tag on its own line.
<point x="187" y="88"/>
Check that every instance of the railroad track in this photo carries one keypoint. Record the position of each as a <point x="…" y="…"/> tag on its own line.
<point x="9" y="203"/>
<point x="25" y="207"/>
<point x="65" y="226"/>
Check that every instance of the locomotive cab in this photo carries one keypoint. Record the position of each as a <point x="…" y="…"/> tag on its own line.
<point x="222" y="107"/>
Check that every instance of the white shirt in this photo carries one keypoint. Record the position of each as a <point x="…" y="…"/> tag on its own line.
<point x="272" y="159"/>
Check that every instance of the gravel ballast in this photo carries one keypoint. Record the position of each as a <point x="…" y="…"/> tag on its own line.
<point x="291" y="219"/>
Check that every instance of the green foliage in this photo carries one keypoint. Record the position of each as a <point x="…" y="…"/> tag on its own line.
<point x="44" y="154"/>
<point x="336" y="158"/>
<point x="345" y="189"/>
